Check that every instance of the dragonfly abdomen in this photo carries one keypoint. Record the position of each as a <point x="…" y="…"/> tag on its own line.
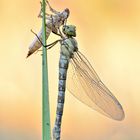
<point x="63" y="66"/>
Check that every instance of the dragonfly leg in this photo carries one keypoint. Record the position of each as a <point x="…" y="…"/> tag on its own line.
<point x="60" y="33"/>
<point x="49" y="46"/>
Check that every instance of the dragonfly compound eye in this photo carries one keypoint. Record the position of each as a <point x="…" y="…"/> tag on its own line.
<point x="69" y="30"/>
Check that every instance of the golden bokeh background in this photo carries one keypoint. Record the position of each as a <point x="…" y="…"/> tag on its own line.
<point x="108" y="33"/>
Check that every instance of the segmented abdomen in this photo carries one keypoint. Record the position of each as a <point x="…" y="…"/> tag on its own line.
<point x="63" y="66"/>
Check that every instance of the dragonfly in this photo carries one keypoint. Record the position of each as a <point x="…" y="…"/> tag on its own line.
<point x="52" y="25"/>
<point x="82" y="81"/>
<point x="77" y="74"/>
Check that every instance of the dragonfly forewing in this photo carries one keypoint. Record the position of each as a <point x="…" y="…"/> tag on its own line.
<point x="84" y="83"/>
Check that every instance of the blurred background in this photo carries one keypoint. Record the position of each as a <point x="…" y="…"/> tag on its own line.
<point x="108" y="33"/>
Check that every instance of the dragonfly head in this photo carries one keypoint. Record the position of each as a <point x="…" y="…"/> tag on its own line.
<point x="69" y="30"/>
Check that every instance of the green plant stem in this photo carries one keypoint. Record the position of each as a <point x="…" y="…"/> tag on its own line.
<point x="46" y="133"/>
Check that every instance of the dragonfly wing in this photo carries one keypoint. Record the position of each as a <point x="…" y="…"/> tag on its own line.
<point x="84" y="83"/>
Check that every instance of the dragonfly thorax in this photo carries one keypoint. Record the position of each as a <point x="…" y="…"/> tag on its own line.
<point x="68" y="47"/>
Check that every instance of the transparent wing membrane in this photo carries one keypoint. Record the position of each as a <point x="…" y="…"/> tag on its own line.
<point x="84" y="83"/>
